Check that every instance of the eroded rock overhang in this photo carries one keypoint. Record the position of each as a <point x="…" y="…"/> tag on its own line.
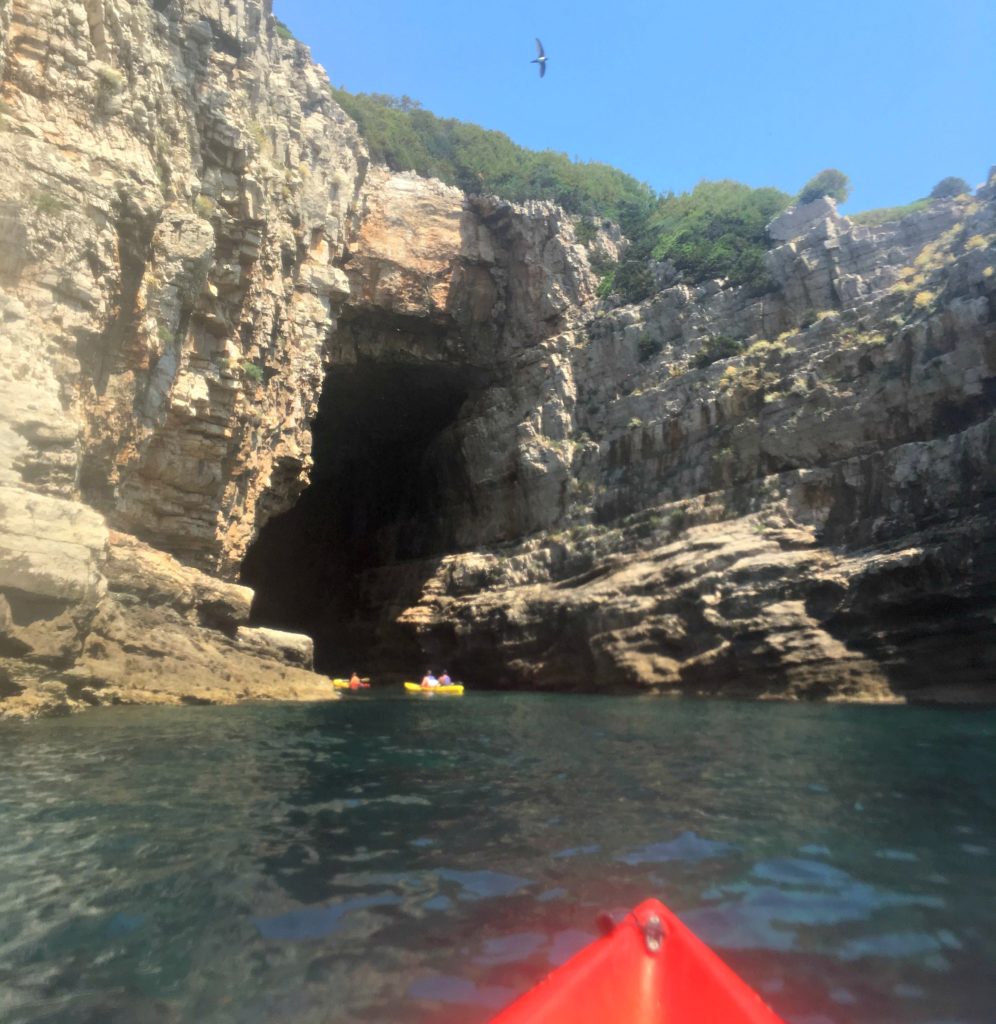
<point x="811" y="517"/>
<point x="457" y="304"/>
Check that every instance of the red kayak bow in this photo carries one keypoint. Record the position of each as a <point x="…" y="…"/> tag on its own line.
<point x="650" y="969"/>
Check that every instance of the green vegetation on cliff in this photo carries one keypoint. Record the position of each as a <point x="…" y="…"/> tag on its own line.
<point x="885" y="214"/>
<point x="831" y="182"/>
<point x="282" y="30"/>
<point x="399" y="133"/>
<point x="717" y="230"/>
<point x="948" y="188"/>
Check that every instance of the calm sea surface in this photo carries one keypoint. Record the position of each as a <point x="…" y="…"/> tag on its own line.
<point x="406" y="860"/>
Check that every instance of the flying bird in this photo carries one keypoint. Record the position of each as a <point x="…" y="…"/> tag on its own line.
<point x="541" y="59"/>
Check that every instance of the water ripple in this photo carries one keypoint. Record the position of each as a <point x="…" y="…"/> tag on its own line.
<point x="318" y="922"/>
<point x="687" y="847"/>
<point x="479" y="885"/>
<point x="386" y="861"/>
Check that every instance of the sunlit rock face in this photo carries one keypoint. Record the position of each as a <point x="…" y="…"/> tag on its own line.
<point x="567" y="498"/>
<point x="176" y="184"/>
<point x="812" y="517"/>
<point x="234" y="356"/>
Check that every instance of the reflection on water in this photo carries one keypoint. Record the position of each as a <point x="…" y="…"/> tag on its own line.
<point x="412" y="861"/>
<point x="687" y="847"/>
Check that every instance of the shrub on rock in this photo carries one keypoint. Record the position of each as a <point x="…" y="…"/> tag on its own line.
<point x="831" y="182"/>
<point x="949" y="187"/>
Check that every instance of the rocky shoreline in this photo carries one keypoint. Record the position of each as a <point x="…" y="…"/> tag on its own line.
<point x="153" y="632"/>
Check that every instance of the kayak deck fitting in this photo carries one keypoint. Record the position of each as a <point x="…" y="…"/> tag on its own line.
<point x="649" y="969"/>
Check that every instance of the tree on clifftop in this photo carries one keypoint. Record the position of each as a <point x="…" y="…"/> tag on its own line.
<point x="717" y="230"/>
<point x="831" y="182"/>
<point x="947" y="188"/>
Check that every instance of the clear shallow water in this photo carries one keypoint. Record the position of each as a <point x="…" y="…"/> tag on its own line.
<point x="398" y="860"/>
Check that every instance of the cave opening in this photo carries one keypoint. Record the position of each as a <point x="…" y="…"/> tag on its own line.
<point x="363" y="538"/>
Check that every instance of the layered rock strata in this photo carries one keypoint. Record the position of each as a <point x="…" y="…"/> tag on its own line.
<point x="229" y="351"/>
<point x="621" y="503"/>
<point x="176" y="185"/>
<point x="813" y="516"/>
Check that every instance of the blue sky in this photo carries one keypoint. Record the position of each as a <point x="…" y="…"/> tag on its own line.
<point x="896" y="93"/>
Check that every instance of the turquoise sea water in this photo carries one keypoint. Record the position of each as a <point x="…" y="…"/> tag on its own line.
<point x="409" y="860"/>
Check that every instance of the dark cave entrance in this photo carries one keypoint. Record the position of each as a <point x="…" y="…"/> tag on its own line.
<point x="365" y="535"/>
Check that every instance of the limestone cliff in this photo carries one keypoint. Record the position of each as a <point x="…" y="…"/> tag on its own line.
<point x="609" y="504"/>
<point x="229" y="351"/>
<point x="176" y="187"/>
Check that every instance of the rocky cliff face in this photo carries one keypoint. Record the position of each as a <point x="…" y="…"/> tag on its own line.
<point x="230" y="351"/>
<point x="609" y="504"/>
<point x="176" y="186"/>
<point x="445" y="418"/>
<point x="812" y="516"/>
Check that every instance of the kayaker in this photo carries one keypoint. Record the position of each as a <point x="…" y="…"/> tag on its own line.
<point x="444" y="679"/>
<point x="355" y="682"/>
<point x="429" y="680"/>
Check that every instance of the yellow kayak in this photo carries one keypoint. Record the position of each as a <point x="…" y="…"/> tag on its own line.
<point x="453" y="690"/>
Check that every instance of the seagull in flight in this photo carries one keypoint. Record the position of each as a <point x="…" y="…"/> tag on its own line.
<point x="541" y="58"/>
